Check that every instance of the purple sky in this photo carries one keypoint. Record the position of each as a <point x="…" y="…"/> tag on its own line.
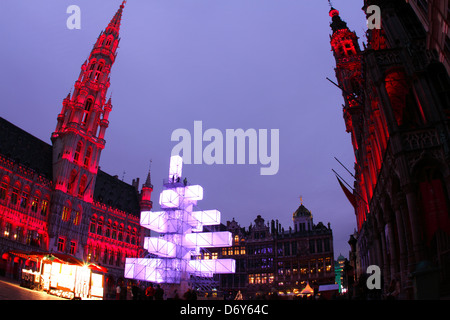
<point x="232" y="64"/>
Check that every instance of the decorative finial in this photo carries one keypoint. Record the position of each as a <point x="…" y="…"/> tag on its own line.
<point x="301" y="199"/>
<point x="330" y="4"/>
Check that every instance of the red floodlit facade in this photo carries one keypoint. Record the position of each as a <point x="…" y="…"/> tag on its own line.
<point x="54" y="198"/>
<point x="397" y="97"/>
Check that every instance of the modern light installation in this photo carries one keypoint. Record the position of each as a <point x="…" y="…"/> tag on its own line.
<point x="181" y="236"/>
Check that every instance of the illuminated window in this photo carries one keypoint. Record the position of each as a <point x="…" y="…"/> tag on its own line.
<point x="242" y="250"/>
<point x="61" y="244"/>
<point x="66" y="213"/>
<point x="18" y="235"/>
<point x="35" y="204"/>
<point x="236" y="239"/>
<point x="44" y="207"/>
<point x="224" y="251"/>
<point x="77" y="219"/>
<point x="214" y="255"/>
<point x="7" y="231"/>
<point x="29" y="237"/>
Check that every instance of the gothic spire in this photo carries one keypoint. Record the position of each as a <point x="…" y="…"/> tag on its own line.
<point x="148" y="182"/>
<point x="338" y="23"/>
<point x="114" y="24"/>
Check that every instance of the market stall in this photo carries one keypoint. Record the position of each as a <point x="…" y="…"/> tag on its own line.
<point x="64" y="276"/>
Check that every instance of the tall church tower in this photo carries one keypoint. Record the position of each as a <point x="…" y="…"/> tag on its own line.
<point x="78" y="140"/>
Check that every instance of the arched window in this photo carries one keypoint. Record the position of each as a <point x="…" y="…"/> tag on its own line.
<point x="108" y="41"/>
<point x="100" y="42"/>
<point x="93" y="224"/>
<point x="114" y="230"/>
<point x="77" y="218"/>
<point x="87" y="110"/>
<point x="4" y="188"/>
<point x="44" y="206"/>
<point x="87" y="158"/>
<point x="25" y="196"/>
<point x="35" y="202"/>
<point x="111" y="257"/>
<point x="120" y="238"/>
<point x="100" y="226"/>
<point x="76" y="156"/>
<point x="66" y="212"/>
<point x="108" y="229"/>
<point x="128" y="235"/>
<point x="91" y="68"/>
<point x="98" y="72"/>
<point x="15" y="193"/>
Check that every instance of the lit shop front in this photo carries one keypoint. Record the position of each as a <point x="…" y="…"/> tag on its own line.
<point x="64" y="276"/>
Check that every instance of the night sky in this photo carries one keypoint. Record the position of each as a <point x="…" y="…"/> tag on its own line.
<point x="231" y="64"/>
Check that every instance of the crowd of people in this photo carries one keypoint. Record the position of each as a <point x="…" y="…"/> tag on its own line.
<point x="152" y="292"/>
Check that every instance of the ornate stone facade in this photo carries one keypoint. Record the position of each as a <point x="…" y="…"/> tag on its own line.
<point x="399" y="123"/>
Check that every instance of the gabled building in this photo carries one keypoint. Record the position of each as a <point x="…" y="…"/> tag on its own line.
<point x="271" y="260"/>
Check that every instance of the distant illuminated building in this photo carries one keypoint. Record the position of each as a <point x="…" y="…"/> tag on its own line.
<point x="271" y="260"/>
<point x="339" y="271"/>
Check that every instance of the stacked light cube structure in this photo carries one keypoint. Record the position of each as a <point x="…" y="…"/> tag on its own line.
<point x="181" y="236"/>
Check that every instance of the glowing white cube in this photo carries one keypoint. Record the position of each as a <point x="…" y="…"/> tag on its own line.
<point x="169" y="199"/>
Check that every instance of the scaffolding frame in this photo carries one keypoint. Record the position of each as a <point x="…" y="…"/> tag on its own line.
<point x="176" y="252"/>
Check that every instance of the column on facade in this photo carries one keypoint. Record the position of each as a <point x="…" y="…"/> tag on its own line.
<point x="415" y="222"/>
<point x="401" y="238"/>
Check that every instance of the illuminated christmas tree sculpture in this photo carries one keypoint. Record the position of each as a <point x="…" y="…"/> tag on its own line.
<point x="181" y="236"/>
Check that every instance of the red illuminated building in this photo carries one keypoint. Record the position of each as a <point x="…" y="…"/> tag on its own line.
<point x="397" y="111"/>
<point x="54" y="198"/>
